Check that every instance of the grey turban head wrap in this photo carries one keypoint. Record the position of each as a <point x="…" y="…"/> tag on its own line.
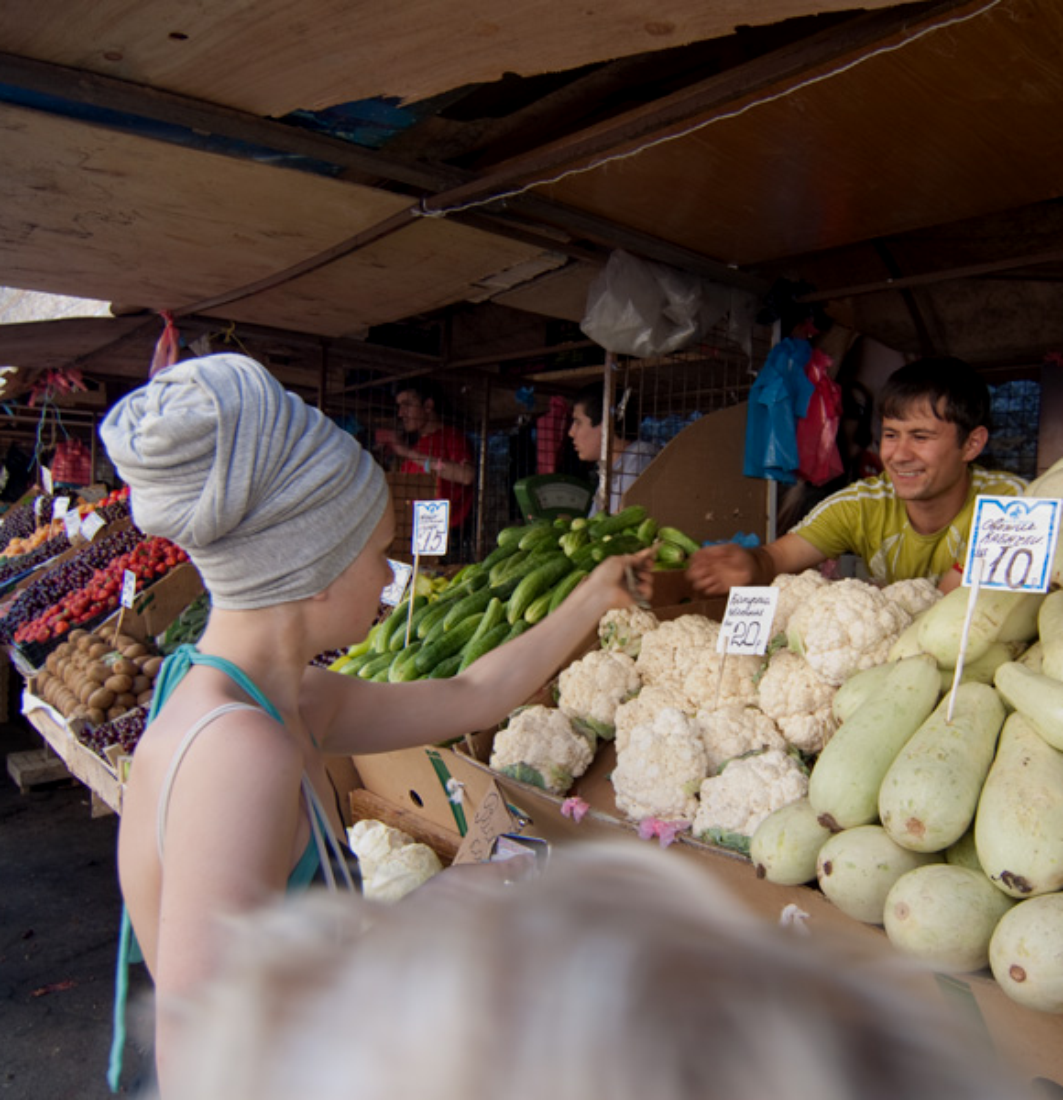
<point x="267" y="496"/>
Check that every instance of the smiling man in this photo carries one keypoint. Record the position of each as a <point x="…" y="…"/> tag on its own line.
<point x="910" y="521"/>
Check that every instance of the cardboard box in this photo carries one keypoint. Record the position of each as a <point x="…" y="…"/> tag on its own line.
<point x="156" y="607"/>
<point x="696" y="483"/>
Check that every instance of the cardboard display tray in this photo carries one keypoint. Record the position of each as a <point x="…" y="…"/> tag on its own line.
<point x="80" y="761"/>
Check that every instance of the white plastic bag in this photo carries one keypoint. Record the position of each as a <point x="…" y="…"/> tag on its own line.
<point x="639" y="308"/>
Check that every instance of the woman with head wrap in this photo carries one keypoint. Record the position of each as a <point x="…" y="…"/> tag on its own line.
<point x="288" y="521"/>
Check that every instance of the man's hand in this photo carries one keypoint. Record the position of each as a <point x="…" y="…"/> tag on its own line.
<point x="714" y="570"/>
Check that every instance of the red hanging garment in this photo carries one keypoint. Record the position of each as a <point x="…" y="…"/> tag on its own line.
<point x="551" y="430"/>
<point x="817" y="431"/>
<point x="167" y="348"/>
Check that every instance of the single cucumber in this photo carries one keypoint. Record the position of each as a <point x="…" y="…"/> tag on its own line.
<point x="669" y="554"/>
<point x="446" y="668"/>
<point x="451" y="642"/>
<point x="631" y="516"/>
<point x="517" y="629"/>
<point x="478" y="601"/>
<point x="397" y="640"/>
<point x="484" y="644"/>
<point x="564" y="588"/>
<point x="381" y="662"/>
<point x="395" y="621"/>
<point x="494" y="613"/>
<point x="571" y="541"/>
<point x="539" y="608"/>
<point x="679" y="538"/>
<point x="435" y="614"/>
<point x="500" y="553"/>
<point x="507" y="567"/>
<point x="535" y="583"/>
<point x="511" y="534"/>
<point x="537" y="534"/>
<point x="624" y="543"/>
<point x="647" y="530"/>
<point x="402" y="668"/>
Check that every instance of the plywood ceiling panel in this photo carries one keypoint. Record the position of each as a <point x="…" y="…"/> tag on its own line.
<point x="101" y="214"/>
<point x="905" y="139"/>
<point x="428" y="265"/>
<point x="273" y="56"/>
<point x="561" y="294"/>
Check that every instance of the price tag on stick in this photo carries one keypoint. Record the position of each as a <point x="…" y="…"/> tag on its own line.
<point x="59" y="507"/>
<point x="1016" y="538"/>
<point x="746" y="626"/>
<point x="431" y="523"/>
<point x="72" y="523"/>
<point x="129" y="591"/>
<point x="400" y="574"/>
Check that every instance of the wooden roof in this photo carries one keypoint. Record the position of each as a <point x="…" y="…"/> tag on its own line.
<point x="904" y="160"/>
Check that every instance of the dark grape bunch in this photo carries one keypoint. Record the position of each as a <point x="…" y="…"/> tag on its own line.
<point x="21" y="521"/>
<point x="59" y="544"/>
<point x="124" y="731"/>
<point x="68" y="577"/>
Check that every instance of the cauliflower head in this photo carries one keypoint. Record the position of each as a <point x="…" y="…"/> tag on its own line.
<point x="391" y="862"/>
<point x="712" y="681"/>
<point x="660" y="767"/>
<point x="799" y="700"/>
<point x="622" y="629"/>
<point x="667" y="651"/>
<point x="735" y="730"/>
<point x="914" y="595"/>
<point x="735" y="802"/>
<point x="540" y="746"/>
<point x="845" y="626"/>
<point x="794" y="589"/>
<point x="642" y="708"/>
<point x="590" y="690"/>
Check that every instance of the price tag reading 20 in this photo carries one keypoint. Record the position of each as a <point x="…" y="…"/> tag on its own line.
<point x="1016" y="539"/>
<point x="747" y="621"/>
<point x="431" y="522"/>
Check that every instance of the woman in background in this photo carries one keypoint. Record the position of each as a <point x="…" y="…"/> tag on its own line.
<point x="631" y="455"/>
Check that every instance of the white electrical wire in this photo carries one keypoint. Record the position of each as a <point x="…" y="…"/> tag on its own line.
<point x="425" y="212"/>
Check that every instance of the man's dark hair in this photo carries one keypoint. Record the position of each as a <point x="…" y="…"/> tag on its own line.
<point x="955" y="391"/>
<point x="591" y="398"/>
<point x="424" y="389"/>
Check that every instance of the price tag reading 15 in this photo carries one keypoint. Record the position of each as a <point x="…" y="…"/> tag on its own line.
<point x="1015" y="538"/>
<point x="747" y="621"/>
<point x="431" y="522"/>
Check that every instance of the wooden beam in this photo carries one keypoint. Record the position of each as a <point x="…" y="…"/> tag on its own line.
<point x="929" y="278"/>
<point x="699" y="103"/>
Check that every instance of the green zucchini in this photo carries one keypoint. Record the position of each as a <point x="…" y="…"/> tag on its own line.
<point x="397" y="637"/>
<point x="507" y="566"/>
<point x="380" y="663"/>
<point x="494" y="613"/>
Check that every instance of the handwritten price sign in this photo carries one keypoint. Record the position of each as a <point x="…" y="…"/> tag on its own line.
<point x="1015" y="538"/>
<point x="746" y="626"/>
<point x="400" y="573"/>
<point x="431" y="522"/>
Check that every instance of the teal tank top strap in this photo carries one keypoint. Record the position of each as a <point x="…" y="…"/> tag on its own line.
<point x="176" y="666"/>
<point x="173" y="671"/>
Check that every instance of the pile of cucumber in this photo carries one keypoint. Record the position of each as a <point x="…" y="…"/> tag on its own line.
<point x="527" y="575"/>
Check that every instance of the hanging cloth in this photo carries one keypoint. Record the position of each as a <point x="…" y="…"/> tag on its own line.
<point x="778" y="398"/>
<point x="550" y="432"/>
<point x="166" y="350"/>
<point x="817" y="430"/>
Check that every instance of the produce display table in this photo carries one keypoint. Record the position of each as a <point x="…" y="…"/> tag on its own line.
<point x="82" y="763"/>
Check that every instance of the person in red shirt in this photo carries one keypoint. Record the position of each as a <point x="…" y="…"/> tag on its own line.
<point x="434" y="447"/>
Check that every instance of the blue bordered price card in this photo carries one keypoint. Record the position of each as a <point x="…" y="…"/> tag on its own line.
<point x="1015" y="538"/>
<point x="92" y="525"/>
<point x="129" y="587"/>
<point x="400" y="577"/>
<point x="746" y="626"/>
<point x="431" y="522"/>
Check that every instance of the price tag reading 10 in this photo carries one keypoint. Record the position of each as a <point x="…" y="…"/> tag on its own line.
<point x="1015" y="538"/>
<point x="747" y="621"/>
<point x="431" y="521"/>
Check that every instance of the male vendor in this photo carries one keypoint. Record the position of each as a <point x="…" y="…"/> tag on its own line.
<point x="910" y="521"/>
